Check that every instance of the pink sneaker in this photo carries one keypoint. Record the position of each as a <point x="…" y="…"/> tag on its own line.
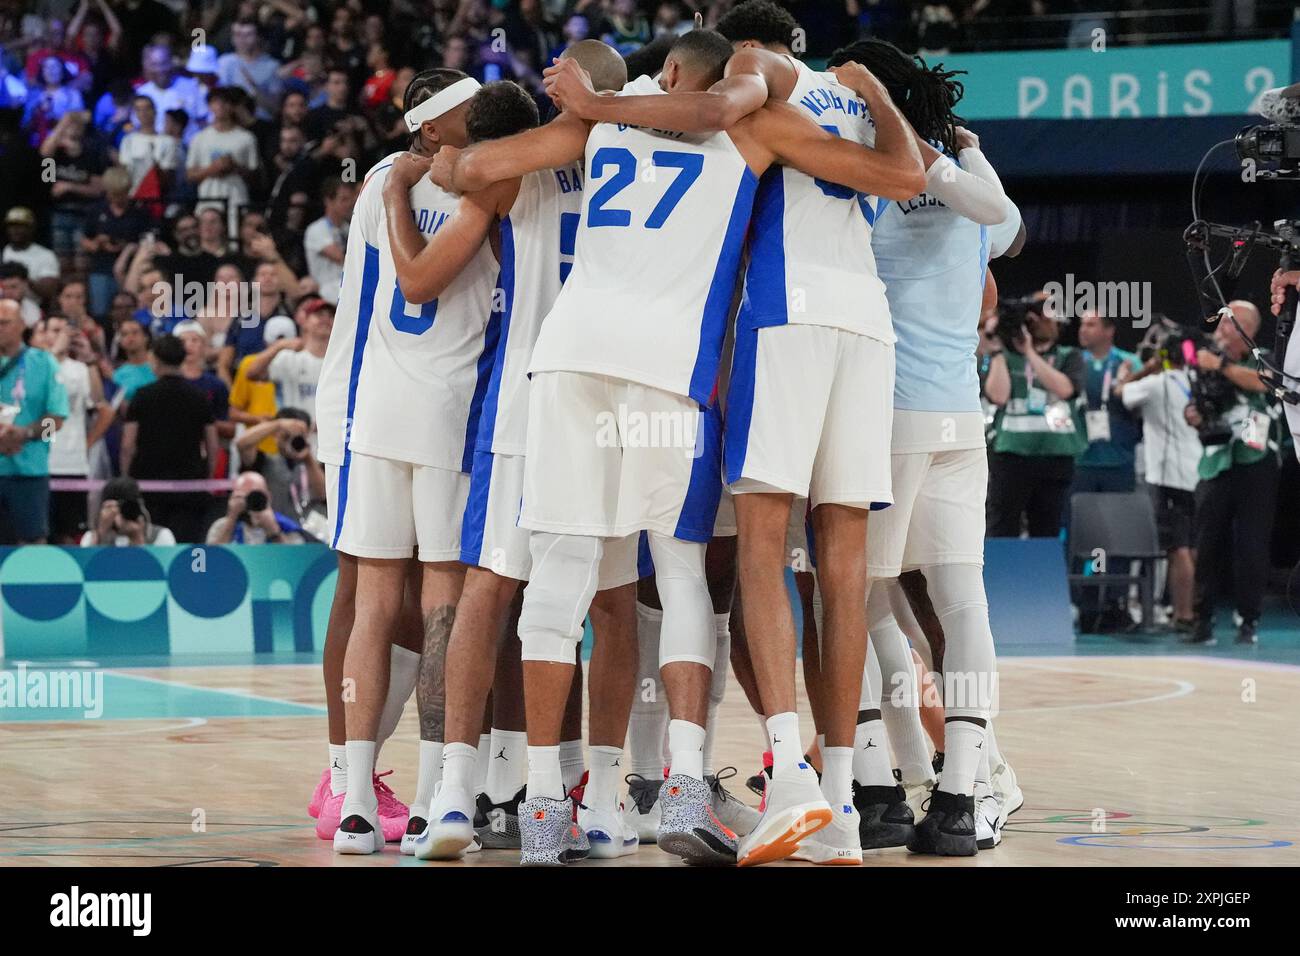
<point x="393" y="813"/>
<point x="321" y="795"/>
<point x="331" y="814"/>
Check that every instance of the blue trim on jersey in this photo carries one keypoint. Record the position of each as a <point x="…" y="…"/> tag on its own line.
<point x="366" y="308"/>
<point x="984" y="256"/>
<point x="713" y="323"/>
<point x="645" y="563"/>
<point x="486" y="362"/>
<point x="704" y="491"/>
<point x="474" y="524"/>
<point x="506" y="283"/>
<point x="765" y="301"/>
<point x="740" y="402"/>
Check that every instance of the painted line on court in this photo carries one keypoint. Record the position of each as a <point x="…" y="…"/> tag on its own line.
<point x="212" y="690"/>
<point x="1181" y="689"/>
<point x="80" y="725"/>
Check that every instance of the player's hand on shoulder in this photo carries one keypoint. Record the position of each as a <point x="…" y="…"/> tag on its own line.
<point x="407" y="170"/>
<point x="569" y="87"/>
<point x="857" y="78"/>
<point x="965" y="139"/>
<point x="444" y="166"/>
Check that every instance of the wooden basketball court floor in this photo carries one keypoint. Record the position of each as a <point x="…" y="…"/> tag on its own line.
<point x="1168" y="760"/>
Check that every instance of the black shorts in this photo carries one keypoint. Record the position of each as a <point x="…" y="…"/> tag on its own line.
<point x="1175" y="516"/>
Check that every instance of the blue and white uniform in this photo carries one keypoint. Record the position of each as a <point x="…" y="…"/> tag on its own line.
<point x="536" y="252"/>
<point x="809" y="402"/>
<point x="401" y="390"/>
<point x="934" y="260"/>
<point x="623" y="431"/>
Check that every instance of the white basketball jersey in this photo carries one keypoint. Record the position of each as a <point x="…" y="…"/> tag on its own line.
<point x="810" y="259"/>
<point x="537" y="246"/>
<point x="401" y="381"/>
<point x="657" y="256"/>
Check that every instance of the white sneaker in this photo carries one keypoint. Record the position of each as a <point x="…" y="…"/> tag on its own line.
<point x="794" y="809"/>
<point x="736" y="816"/>
<point x="607" y="832"/>
<point x="451" y="826"/>
<point x="1007" y="789"/>
<point x="641" y="812"/>
<point x="988" y="817"/>
<point x="419" y="818"/>
<point x="358" y="834"/>
<point x="916" y="793"/>
<point x="837" y="844"/>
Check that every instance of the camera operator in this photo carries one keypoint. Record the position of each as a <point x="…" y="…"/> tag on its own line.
<point x="123" y="520"/>
<point x="250" y="519"/>
<point x="294" y="477"/>
<point x="1171" y="453"/>
<point x="1238" y="471"/>
<point x="1035" y="383"/>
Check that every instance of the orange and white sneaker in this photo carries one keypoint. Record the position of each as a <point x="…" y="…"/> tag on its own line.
<point x="794" y="809"/>
<point x="836" y="844"/>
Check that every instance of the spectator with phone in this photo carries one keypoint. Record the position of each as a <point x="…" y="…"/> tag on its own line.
<point x="250" y="519"/>
<point x="123" y="520"/>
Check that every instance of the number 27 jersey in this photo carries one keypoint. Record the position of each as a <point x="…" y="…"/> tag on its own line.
<point x="656" y="258"/>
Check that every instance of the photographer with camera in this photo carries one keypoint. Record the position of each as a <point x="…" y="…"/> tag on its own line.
<point x="1171" y="452"/>
<point x="250" y="519"/>
<point x="1035" y="384"/>
<point x="294" y="477"/>
<point x="1238" y="469"/>
<point x="123" y="520"/>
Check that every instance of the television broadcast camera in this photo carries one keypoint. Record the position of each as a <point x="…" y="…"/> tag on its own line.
<point x="1210" y="391"/>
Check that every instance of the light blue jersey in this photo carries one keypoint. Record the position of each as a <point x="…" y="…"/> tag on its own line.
<point x="933" y="262"/>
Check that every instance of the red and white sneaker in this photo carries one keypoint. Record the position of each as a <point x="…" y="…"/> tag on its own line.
<point x="321" y="794"/>
<point x="393" y="813"/>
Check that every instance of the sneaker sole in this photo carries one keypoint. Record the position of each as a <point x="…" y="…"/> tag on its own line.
<point x="352" y="844"/>
<point x="944" y="844"/>
<point x="822" y="855"/>
<point x="492" y="840"/>
<point x="695" y="849"/>
<point x="448" y="842"/>
<point x="604" y="847"/>
<point x="786" y="840"/>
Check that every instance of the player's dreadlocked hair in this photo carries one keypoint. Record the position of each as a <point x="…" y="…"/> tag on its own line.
<point x="424" y="85"/>
<point x="925" y="95"/>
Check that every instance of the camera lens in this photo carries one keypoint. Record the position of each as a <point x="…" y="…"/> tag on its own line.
<point x="256" y="501"/>
<point x="129" y="509"/>
<point x="298" y="443"/>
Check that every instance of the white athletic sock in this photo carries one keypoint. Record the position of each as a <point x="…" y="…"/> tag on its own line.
<point x="361" y="784"/>
<point x="871" y="766"/>
<point x="458" y="765"/>
<point x="686" y="748"/>
<point x="898" y="701"/>
<point x="762" y="730"/>
<point x="962" y="742"/>
<point x="602" y="787"/>
<point x="427" y="777"/>
<point x="984" y="769"/>
<point x="717" y="685"/>
<point x="481" y="764"/>
<point x="507" y="764"/>
<point x="820" y="740"/>
<point x="783" y="741"/>
<point x="571" y="763"/>
<point x="403" y="671"/>
<point x="338" y="769"/>
<point x="544" y="776"/>
<point x="648" y="723"/>
<point x="837" y="776"/>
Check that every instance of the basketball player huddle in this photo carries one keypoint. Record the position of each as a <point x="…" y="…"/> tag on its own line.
<point x="627" y="367"/>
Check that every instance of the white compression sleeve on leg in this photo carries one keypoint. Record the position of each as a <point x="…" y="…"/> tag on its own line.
<point x="688" y="633"/>
<point x="718" y="686"/>
<point x="648" y="723"/>
<point x="969" y="665"/>
<point x="899" y="704"/>
<point x="558" y="595"/>
<point x="907" y="621"/>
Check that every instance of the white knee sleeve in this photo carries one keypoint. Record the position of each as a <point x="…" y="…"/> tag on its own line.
<point x="869" y="698"/>
<point x="688" y="634"/>
<point x="969" y="665"/>
<point x="888" y="644"/>
<point x="648" y="721"/>
<point x="907" y="621"/>
<point x="721" y="659"/>
<point x="562" y="583"/>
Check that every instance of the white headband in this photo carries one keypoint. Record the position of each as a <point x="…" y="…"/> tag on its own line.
<point x="441" y="102"/>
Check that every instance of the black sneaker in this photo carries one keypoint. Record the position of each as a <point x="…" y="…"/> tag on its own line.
<point x="886" y="818"/>
<point x="1202" y="633"/>
<point x="1248" y="633"/>
<point x="497" y="824"/>
<point x="936" y="765"/>
<point x="948" y="828"/>
<point x="757" y="784"/>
